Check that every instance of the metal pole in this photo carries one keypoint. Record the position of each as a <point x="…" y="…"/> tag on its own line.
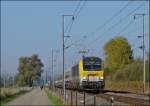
<point x="94" y="100"/>
<point x="143" y="57"/>
<point x="76" y="99"/>
<point x="84" y="98"/>
<point x="63" y="58"/>
<point x="71" y="98"/>
<point x="46" y="77"/>
<point x="13" y="80"/>
<point x="52" y="72"/>
<point x="64" y="55"/>
<point x="112" y="101"/>
<point x="143" y="48"/>
<point x="4" y="78"/>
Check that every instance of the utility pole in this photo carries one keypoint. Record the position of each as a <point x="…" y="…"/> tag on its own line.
<point x="53" y="66"/>
<point x="4" y="81"/>
<point x="143" y="48"/>
<point x="46" y="77"/>
<point x="63" y="44"/>
<point x="49" y="72"/>
<point x="52" y="72"/>
<point x="13" y="80"/>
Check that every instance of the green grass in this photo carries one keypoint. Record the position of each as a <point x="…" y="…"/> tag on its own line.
<point x="11" y="97"/>
<point x="54" y="99"/>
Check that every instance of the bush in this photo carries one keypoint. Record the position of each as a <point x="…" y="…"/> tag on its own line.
<point x="130" y="86"/>
<point x="8" y="93"/>
<point x="2" y="95"/>
<point x="131" y="72"/>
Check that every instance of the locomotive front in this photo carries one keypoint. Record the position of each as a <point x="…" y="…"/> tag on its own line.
<point x="91" y="73"/>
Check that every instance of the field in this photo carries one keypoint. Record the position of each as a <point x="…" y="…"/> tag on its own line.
<point x="131" y="86"/>
<point x="8" y="94"/>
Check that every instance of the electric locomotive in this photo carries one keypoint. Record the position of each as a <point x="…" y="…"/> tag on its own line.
<point x="88" y="74"/>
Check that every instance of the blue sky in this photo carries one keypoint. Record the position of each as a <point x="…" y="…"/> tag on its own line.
<point x="30" y="27"/>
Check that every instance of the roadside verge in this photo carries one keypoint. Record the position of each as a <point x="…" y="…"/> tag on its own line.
<point x="53" y="98"/>
<point x="9" y="96"/>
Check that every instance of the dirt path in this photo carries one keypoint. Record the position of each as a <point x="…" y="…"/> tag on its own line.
<point x="35" y="97"/>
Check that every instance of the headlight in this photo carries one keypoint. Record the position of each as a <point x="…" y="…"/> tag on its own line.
<point x="101" y="77"/>
<point x="84" y="78"/>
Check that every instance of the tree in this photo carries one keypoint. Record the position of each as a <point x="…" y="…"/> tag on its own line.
<point x="118" y="53"/>
<point x="30" y="68"/>
<point x="133" y="71"/>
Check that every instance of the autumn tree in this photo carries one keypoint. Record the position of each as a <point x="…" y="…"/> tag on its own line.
<point x="118" y="53"/>
<point x="30" y="68"/>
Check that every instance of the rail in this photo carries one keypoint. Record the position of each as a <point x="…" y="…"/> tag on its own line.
<point x="75" y="97"/>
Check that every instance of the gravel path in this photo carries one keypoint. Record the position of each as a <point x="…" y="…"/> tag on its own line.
<point x="35" y="97"/>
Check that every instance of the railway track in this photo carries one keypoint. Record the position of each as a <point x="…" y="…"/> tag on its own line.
<point x="117" y="96"/>
<point x="124" y="99"/>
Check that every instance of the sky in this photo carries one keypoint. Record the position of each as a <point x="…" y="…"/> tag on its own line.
<point x="35" y="27"/>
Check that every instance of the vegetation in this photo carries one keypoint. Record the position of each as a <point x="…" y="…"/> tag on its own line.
<point x="8" y="95"/>
<point x="119" y="63"/>
<point x="7" y="79"/>
<point x="56" y="101"/>
<point x="118" y="54"/>
<point x="123" y="72"/>
<point x="30" y="68"/>
<point x="130" y="86"/>
<point x="132" y="72"/>
<point x="130" y="78"/>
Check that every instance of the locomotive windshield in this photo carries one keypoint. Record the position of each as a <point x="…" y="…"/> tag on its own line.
<point x="91" y="63"/>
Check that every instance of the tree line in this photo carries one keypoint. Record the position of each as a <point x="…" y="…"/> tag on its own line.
<point x="120" y="63"/>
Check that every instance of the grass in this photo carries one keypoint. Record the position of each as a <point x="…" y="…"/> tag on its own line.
<point x="131" y="86"/>
<point x="11" y="97"/>
<point x="54" y="99"/>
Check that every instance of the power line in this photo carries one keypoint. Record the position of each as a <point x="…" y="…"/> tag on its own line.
<point x="106" y="22"/>
<point x="76" y="42"/>
<point x="110" y="19"/>
<point x="129" y="32"/>
<point x="81" y="8"/>
<point x="113" y="17"/>
<point x="68" y="28"/>
<point x="77" y="8"/>
<point x="75" y="14"/>
<point x="114" y="25"/>
<point x="99" y="28"/>
<point x="126" y="27"/>
<point x="121" y="20"/>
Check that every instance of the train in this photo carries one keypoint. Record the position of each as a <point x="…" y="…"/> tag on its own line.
<point x="88" y="74"/>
